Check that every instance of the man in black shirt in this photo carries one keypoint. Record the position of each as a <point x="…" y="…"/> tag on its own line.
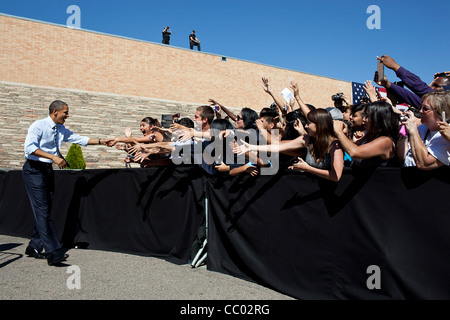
<point x="193" y="41"/>
<point x="166" y="35"/>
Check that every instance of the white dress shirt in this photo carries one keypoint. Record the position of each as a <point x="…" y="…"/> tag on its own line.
<point x="41" y="136"/>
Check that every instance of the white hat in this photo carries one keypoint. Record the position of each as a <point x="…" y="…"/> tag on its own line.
<point x="335" y="113"/>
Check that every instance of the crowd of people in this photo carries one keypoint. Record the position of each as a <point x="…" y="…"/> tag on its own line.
<point x="287" y="135"/>
<point x="406" y="128"/>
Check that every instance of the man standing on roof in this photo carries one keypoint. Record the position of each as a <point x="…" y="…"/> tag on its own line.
<point x="193" y="41"/>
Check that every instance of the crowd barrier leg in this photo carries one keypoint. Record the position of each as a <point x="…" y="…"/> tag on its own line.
<point x="202" y="252"/>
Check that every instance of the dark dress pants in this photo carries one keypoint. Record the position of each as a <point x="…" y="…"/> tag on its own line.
<point x="192" y="44"/>
<point x="40" y="185"/>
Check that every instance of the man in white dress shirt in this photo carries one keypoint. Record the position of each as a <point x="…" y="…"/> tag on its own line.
<point x="41" y="148"/>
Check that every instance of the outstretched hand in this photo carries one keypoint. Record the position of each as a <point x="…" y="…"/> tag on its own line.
<point x="383" y="82"/>
<point x="301" y="165"/>
<point x="389" y="62"/>
<point x="242" y="149"/>
<point x="111" y="142"/>
<point x="185" y="135"/>
<point x="251" y="169"/>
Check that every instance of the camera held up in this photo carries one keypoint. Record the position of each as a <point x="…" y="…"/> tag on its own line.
<point x="337" y="96"/>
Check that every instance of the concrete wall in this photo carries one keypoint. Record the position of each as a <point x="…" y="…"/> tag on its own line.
<point x="96" y="115"/>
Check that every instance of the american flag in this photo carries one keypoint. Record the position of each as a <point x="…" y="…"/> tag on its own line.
<point x="381" y="91"/>
<point x="358" y="92"/>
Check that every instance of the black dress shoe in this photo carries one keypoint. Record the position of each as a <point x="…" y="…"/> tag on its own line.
<point x="56" y="256"/>
<point x="31" y="252"/>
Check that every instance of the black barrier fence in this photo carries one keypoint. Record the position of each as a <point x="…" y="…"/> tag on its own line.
<point x="374" y="235"/>
<point x="154" y="212"/>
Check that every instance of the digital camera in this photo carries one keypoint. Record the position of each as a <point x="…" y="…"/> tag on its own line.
<point x="337" y="96"/>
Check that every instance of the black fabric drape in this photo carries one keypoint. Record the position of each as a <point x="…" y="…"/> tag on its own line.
<point x="314" y="239"/>
<point x="292" y="232"/>
<point x="151" y="211"/>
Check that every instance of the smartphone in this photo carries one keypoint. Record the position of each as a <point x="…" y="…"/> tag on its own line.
<point x="380" y="70"/>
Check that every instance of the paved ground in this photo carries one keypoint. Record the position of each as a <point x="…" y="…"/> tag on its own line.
<point x="113" y="276"/>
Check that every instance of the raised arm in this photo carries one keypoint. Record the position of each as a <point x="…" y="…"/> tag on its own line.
<point x="413" y="82"/>
<point x="275" y="98"/>
<point x="371" y="91"/>
<point x="303" y="107"/>
<point x="225" y="109"/>
<point x="381" y="146"/>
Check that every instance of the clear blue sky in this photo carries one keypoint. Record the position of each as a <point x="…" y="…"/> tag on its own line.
<point x="328" y="38"/>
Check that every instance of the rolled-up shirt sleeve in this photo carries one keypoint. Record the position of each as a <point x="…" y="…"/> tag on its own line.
<point x="32" y="140"/>
<point x="71" y="137"/>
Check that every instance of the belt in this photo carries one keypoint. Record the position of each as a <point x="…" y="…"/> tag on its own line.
<point x="39" y="163"/>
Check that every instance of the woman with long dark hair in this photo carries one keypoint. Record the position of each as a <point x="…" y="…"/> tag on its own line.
<point x="149" y="131"/>
<point x="246" y="119"/>
<point x="377" y="147"/>
<point x="324" y="155"/>
<point x="150" y="134"/>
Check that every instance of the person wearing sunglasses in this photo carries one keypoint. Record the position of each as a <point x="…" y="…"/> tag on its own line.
<point x="427" y="149"/>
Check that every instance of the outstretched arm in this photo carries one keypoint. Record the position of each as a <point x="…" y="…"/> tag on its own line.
<point x="282" y="146"/>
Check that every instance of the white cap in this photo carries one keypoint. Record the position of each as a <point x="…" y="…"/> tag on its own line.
<point x="335" y="113"/>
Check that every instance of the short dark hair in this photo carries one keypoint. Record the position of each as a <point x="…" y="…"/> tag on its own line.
<point x="151" y="121"/>
<point x="186" y="122"/>
<point x="206" y="112"/>
<point x="56" y="105"/>
<point x="358" y="107"/>
<point x="249" y="116"/>
<point x="268" y="114"/>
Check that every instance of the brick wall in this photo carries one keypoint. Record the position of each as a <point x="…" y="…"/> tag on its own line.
<point x="112" y="82"/>
<point x="51" y="55"/>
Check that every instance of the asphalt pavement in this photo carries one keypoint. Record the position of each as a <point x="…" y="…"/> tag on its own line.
<point x="102" y="275"/>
